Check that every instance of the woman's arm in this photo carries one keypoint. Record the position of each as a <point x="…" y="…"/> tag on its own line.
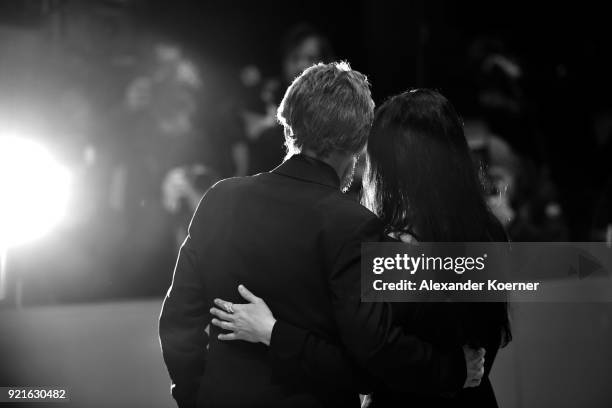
<point x="319" y="359"/>
<point x="293" y="346"/>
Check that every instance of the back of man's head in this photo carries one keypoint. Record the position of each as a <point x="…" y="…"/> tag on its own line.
<point x="327" y="109"/>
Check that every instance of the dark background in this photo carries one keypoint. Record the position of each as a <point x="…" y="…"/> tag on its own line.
<point x="96" y="48"/>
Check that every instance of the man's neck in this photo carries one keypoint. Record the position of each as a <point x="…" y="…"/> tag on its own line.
<point x="339" y="162"/>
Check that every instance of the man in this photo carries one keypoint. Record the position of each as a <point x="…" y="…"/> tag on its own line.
<point x="293" y="238"/>
<point x="302" y="46"/>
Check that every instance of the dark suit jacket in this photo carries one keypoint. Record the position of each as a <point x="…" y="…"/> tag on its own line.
<point x="444" y="325"/>
<point x="292" y="238"/>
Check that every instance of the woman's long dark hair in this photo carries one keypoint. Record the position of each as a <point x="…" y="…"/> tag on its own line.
<point x="420" y="178"/>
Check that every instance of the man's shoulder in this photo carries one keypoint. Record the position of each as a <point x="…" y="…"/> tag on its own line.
<point x="238" y="183"/>
<point x="225" y="188"/>
<point x="346" y="219"/>
<point x="339" y="206"/>
<point x="337" y="211"/>
<point x="228" y="184"/>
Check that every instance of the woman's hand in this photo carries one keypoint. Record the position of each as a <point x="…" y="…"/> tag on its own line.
<point x="252" y="322"/>
<point x="474" y="362"/>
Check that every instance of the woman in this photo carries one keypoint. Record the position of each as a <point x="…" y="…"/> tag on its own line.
<point x="422" y="183"/>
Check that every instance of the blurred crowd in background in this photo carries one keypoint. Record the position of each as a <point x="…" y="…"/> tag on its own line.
<point x="146" y="124"/>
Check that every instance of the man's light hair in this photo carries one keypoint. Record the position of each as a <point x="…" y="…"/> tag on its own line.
<point x="328" y="108"/>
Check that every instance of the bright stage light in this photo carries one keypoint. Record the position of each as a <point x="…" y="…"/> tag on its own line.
<point x="34" y="191"/>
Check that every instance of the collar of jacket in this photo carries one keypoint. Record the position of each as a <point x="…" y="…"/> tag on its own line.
<point x="306" y="168"/>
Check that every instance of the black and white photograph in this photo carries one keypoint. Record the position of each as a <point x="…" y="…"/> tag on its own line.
<point x="310" y="204"/>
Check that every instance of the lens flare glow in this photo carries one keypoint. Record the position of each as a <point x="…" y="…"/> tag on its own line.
<point x="34" y="191"/>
